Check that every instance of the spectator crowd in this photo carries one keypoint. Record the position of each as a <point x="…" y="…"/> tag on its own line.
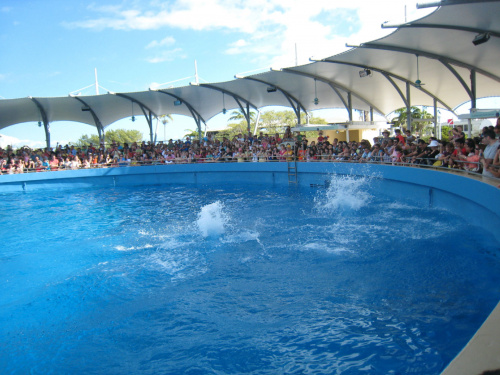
<point x="480" y="154"/>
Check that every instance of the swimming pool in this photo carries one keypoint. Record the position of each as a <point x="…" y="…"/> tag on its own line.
<point x="219" y="279"/>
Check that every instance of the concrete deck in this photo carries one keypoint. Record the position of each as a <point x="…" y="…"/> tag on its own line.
<point x="482" y="352"/>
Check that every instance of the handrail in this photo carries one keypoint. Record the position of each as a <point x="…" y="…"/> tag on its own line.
<point x="322" y="158"/>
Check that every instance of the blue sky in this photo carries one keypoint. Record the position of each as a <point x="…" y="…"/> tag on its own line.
<point x="51" y="47"/>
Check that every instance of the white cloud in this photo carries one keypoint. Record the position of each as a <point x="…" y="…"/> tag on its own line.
<point x="169" y="55"/>
<point x="168" y="41"/>
<point x="6" y="140"/>
<point x="272" y="28"/>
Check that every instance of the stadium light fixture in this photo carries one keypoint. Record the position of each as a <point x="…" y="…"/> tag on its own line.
<point x="481" y="38"/>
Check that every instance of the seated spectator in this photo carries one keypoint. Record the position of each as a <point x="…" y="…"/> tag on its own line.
<point x="67" y="163"/>
<point x="377" y="153"/>
<point x="422" y="152"/>
<point x="75" y="163"/>
<point x="446" y="154"/>
<point x="434" y="147"/>
<point x="494" y="168"/>
<point x="385" y="136"/>
<point x="397" y="154"/>
<point x="471" y="155"/>
<point x="489" y="152"/>
<point x="54" y="163"/>
<point x="287" y="137"/>
<point x="365" y="156"/>
<point x="46" y="164"/>
<point x="409" y="137"/>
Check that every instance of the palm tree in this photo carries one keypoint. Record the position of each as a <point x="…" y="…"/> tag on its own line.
<point x="239" y="115"/>
<point x="416" y="113"/>
<point x="191" y="133"/>
<point x="165" y="119"/>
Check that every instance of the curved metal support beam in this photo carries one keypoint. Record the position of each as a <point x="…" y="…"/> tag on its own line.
<point x="429" y="55"/>
<point x="97" y="121"/>
<point x="229" y="93"/>
<point x="291" y="99"/>
<point x="194" y="113"/>
<point x="458" y="77"/>
<point x="238" y="100"/>
<point x="396" y="87"/>
<point x="143" y="107"/>
<point x="45" y="119"/>
<point x="474" y="30"/>
<point x="441" y="3"/>
<point x="335" y="86"/>
<point x="391" y="75"/>
<point x="245" y="111"/>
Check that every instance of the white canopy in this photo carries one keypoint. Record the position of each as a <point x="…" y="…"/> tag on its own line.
<point x="436" y="50"/>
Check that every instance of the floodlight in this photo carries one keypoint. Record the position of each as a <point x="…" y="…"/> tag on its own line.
<point x="272" y="89"/>
<point x="85" y="109"/>
<point x="177" y="102"/>
<point x="365" y="73"/>
<point x="481" y="38"/>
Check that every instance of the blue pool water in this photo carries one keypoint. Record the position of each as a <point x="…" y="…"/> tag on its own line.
<point x="232" y="280"/>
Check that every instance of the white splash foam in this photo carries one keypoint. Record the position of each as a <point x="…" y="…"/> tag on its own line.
<point x="317" y="246"/>
<point x="123" y="248"/>
<point x="345" y="192"/>
<point x="212" y="220"/>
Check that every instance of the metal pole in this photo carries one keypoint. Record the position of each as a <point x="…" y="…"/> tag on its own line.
<point x="408" y="107"/>
<point x="96" y="84"/>
<point x="256" y="123"/>
<point x="436" y="120"/>
<point x="474" y="97"/>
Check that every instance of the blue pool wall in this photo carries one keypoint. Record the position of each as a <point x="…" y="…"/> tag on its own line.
<point x="475" y="201"/>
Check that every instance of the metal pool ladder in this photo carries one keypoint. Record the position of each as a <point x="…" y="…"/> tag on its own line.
<point x="292" y="171"/>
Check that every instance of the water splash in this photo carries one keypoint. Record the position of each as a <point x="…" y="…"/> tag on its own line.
<point x="212" y="220"/>
<point x="345" y="192"/>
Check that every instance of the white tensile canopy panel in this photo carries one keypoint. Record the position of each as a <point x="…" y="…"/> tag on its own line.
<point x="436" y="50"/>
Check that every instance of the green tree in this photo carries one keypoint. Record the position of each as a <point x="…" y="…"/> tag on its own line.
<point x="445" y="133"/>
<point x="400" y="120"/>
<point x="165" y="119"/>
<point x="191" y="133"/>
<point x="234" y="129"/>
<point x="119" y="135"/>
<point x="239" y="115"/>
<point x="123" y="136"/>
<point x="271" y="122"/>
<point x="86" y="140"/>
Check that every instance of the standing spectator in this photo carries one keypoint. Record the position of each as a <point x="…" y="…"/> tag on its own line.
<point x="409" y="137"/>
<point x="400" y="138"/>
<point x="489" y="152"/>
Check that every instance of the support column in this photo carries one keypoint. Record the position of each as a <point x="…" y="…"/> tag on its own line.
<point x="349" y="105"/>
<point x="473" y="99"/>
<point x="45" y="119"/>
<point x="256" y="123"/>
<point x="438" y="136"/>
<point x="248" y="118"/>
<point x="408" y="108"/>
